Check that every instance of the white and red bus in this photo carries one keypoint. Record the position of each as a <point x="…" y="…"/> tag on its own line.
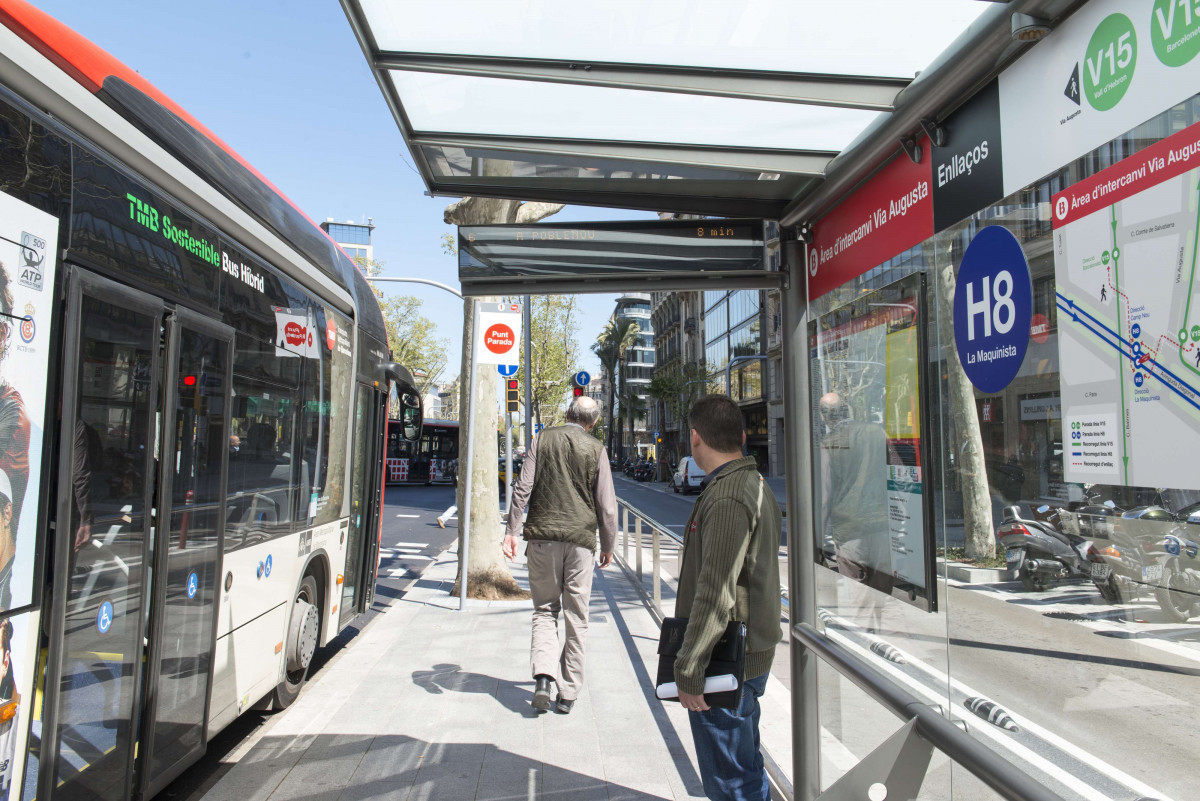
<point x="193" y="388"/>
<point x="434" y="459"/>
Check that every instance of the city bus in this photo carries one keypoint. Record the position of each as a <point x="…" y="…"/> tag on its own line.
<point x="193" y="390"/>
<point x="433" y="459"/>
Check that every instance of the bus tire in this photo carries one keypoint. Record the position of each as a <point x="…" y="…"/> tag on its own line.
<point x="304" y="630"/>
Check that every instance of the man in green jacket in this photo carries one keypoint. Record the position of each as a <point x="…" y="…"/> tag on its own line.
<point x="730" y="571"/>
<point x="567" y="484"/>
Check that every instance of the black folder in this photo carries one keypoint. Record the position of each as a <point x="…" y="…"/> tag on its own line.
<point x="728" y="656"/>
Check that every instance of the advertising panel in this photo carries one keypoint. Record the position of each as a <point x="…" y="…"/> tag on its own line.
<point x="28" y="263"/>
<point x="870" y="463"/>
<point x="1111" y="65"/>
<point x="1125" y="243"/>
<point x="18" y="658"/>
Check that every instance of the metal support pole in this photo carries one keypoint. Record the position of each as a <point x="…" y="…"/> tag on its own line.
<point x="380" y="278"/>
<point x="637" y="528"/>
<point x="656" y="563"/>
<point x="802" y="598"/>
<point x="625" y="534"/>
<point x="464" y="518"/>
<point x="526" y="328"/>
<point x="508" y="481"/>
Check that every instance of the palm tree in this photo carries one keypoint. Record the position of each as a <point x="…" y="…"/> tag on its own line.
<point x="633" y="407"/>
<point x="608" y="354"/>
<point x="617" y="336"/>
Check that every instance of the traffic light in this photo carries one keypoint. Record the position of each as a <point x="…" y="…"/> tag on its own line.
<point x="514" y="394"/>
<point x="576" y="391"/>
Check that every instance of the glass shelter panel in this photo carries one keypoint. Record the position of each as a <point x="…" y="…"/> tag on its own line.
<point x="886" y="39"/>
<point x="1064" y="505"/>
<point x="453" y="103"/>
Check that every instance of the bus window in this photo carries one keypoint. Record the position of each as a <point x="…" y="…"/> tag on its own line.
<point x="260" y="463"/>
<point x="328" y="375"/>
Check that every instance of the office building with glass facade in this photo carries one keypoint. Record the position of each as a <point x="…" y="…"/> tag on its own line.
<point x="636" y="368"/>
<point x="354" y="238"/>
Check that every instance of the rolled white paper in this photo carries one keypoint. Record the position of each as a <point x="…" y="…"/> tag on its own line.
<point x="713" y="684"/>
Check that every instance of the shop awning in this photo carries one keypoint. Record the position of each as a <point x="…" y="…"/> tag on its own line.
<point x="701" y="106"/>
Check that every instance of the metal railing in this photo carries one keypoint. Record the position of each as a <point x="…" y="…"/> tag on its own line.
<point x="995" y="771"/>
<point x="636" y="574"/>
<point x="653" y="598"/>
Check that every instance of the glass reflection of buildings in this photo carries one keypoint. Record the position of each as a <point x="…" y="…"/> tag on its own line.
<point x="712" y="328"/>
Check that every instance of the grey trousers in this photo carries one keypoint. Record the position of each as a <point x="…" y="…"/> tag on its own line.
<point x="560" y="579"/>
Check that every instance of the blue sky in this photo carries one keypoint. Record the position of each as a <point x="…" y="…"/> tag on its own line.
<point x="286" y="85"/>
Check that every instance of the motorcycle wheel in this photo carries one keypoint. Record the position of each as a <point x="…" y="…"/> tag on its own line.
<point x="1032" y="584"/>
<point x="1174" y="599"/>
<point x="1110" y="590"/>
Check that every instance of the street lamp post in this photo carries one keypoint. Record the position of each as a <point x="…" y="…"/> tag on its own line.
<point x="426" y="281"/>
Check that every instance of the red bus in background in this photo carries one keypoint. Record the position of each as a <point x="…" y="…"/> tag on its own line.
<point x="433" y="459"/>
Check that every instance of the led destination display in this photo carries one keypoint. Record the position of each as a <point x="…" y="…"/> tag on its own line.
<point x="490" y="255"/>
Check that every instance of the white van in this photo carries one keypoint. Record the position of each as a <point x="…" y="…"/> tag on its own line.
<point x="688" y="476"/>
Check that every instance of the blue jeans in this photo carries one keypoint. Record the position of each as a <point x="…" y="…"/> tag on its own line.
<point x="727" y="748"/>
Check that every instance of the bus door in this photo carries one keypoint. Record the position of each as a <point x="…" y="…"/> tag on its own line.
<point x="360" y="554"/>
<point x="187" y="552"/>
<point x="137" y="547"/>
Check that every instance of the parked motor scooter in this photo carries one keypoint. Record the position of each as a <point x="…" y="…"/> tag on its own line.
<point x="1039" y="552"/>
<point x="1173" y="560"/>
<point x="1111" y="562"/>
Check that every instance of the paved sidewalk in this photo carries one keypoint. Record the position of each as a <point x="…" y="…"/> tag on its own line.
<point x="430" y="703"/>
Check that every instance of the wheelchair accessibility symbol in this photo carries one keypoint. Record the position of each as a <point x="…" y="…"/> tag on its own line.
<point x="104" y="618"/>
<point x="192" y="585"/>
<point x="267" y="567"/>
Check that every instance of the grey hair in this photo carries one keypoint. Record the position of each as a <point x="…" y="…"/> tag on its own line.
<point x="584" y="411"/>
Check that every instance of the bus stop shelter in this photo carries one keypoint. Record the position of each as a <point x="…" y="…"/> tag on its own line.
<point x="773" y="111"/>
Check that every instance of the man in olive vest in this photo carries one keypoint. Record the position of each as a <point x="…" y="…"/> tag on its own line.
<point x="567" y="484"/>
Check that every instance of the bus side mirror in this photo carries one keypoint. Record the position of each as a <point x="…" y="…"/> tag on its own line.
<point x="411" y="413"/>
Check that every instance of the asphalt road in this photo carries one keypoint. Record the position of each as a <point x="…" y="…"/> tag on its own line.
<point x="410" y="540"/>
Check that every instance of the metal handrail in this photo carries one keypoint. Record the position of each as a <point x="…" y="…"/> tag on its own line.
<point x="989" y="767"/>
<point x="653" y="600"/>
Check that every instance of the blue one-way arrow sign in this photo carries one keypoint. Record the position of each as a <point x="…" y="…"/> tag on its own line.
<point x="582" y="379"/>
<point x="506" y="369"/>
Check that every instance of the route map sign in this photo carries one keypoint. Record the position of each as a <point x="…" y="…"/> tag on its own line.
<point x="1125" y="262"/>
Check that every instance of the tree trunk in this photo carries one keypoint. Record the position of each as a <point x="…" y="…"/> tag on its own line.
<point x="608" y="421"/>
<point x="978" y="533"/>
<point x="621" y="399"/>
<point x="488" y="576"/>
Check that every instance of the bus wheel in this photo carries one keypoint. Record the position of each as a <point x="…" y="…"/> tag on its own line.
<point x="303" y="631"/>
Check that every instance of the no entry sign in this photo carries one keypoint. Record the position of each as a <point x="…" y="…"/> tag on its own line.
<point x="498" y="333"/>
